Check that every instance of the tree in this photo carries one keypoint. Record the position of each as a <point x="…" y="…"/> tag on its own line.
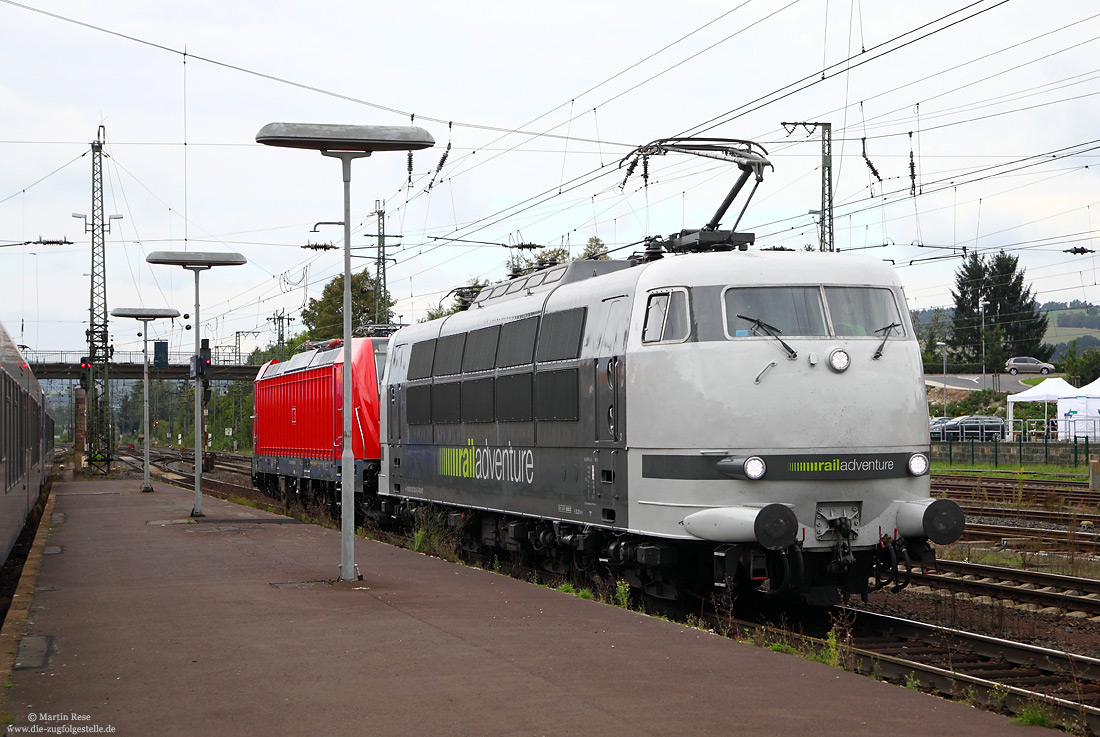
<point x="1084" y="367"/>
<point x="518" y="263"/>
<point x="595" y="249"/>
<point x="1015" y="310"/>
<point x="324" y="317"/>
<point x="1012" y="324"/>
<point x="473" y="286"/>
<point x="966" y="336"/>
<point x="936" y="328"/>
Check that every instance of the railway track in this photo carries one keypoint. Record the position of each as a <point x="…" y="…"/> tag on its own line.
<point x="1065" y="518"/>
<point x="1066" y="593"/>
<point x="1013" y="491"/>
<point x="1000" y="674"/>
<point x="1053" y="538"/>
<point x="997" y="674"/>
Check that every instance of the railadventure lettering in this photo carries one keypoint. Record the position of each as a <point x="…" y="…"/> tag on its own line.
<point x="839" y="466"/>
<point x="488" y="464"/>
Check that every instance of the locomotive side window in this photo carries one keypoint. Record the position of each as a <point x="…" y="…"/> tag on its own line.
<point x="448" y="355"/>
<point x="556" y="395"/>
<point x="421" y="359"/>
<point x="418" y="404"/>
<point x="481" y="349"/>
<point x="446" y="403"/>
<point x="477" y="400"/>
<point x="790" y="310"/>
<point x="513" y="398"/>
<point x="666" y="317"/>
<point x="517" y="342"/>
<point x="381" y="349"/>
<point x="560" y="337"/>
<point x="862" y="311"/>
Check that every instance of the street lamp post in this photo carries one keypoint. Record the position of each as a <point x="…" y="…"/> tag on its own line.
<point x="346" y="143"/>
<point x="145" y="315"/>
<point x="197" y="261"/>
<point x="983" y="304"/>
<point x="943" y="349"/>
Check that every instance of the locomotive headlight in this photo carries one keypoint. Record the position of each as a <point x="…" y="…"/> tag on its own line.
<point x="755" y="468"/>
<point x="918" y="464"/>
<point x="839" y="360"/>
<point x="743" y="467"/>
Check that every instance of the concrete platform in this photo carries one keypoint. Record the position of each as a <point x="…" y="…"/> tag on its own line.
<point x="152" y="625"/>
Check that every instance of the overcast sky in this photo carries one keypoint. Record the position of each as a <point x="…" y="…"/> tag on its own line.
<point x="995" y="101"/>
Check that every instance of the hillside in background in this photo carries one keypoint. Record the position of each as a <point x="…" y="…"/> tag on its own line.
<point x="1069" y="321"/>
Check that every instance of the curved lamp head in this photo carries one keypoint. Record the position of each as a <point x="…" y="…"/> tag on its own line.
<point x="144" y="313"/>
<point x="195" y="259"/>
<point x="325" y="137"/>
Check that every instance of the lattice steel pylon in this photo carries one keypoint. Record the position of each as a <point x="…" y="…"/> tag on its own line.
<point x="827" y="243"/>
<point x="825" y="214"/>
<point x="100" y="436"/>
<point x="381" y="315"/>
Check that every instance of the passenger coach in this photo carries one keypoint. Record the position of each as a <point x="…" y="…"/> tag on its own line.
<point x="26" y="442"/>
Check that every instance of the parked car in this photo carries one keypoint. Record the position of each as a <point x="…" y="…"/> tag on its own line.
<point x="1027" y="365"/>
<point x="968" y="427"/>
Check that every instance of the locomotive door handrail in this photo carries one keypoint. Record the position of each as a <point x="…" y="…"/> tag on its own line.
<point x="359" y="424"/>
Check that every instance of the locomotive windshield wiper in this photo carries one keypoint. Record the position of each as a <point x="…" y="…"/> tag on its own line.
<point x="885" y="334"/>
<point x="772" y="331"/>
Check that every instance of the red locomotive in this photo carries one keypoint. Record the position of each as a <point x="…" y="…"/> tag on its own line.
<point x="297" y="428"/>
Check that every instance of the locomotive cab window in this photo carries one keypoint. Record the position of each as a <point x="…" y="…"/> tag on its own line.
<point x="787" y="310"/>
<point x="863" y="311"/>
<point x="666" y="317"/>
<point x="381" y="350"/>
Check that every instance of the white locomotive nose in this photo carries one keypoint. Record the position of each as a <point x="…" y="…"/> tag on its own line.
<point x="774" y="526"/>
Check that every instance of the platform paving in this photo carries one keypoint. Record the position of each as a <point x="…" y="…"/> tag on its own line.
<point x="233" y="626"/>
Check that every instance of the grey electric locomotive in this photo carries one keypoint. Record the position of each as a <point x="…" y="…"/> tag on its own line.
<point x="715" y="418"/>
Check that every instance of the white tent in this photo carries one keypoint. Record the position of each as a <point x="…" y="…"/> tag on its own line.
<point x="1079" y="413"/>
<point x="1054" y="389"/>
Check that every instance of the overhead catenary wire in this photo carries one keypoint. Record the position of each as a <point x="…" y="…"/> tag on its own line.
<point x="587" y="199"/>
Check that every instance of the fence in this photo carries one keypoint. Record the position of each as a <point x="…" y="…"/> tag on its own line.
<point x="219" y="358"/>
<point x="1015" y="452"/>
